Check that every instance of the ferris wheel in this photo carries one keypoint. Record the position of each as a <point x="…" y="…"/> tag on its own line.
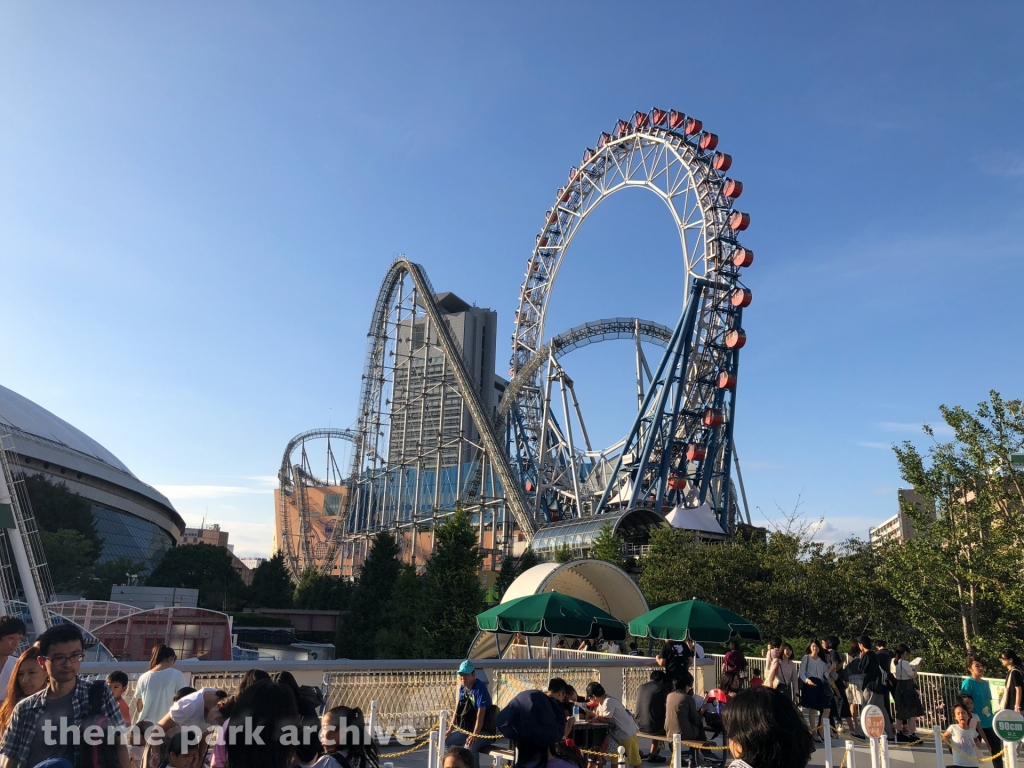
<point x="679" y="447"/>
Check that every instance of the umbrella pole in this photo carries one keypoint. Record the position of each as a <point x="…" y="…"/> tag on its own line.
<point x="497" y="644"/>
<point x="529" y="648"/>
<point x="551" y="654"/>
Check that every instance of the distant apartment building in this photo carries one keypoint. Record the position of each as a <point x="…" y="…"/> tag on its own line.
<point x="212" y="534"/>
<point x="899" y="527"/>
<point x="252" y="563"/>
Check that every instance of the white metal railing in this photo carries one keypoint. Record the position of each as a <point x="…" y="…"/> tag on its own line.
<point x="531" y="651"/>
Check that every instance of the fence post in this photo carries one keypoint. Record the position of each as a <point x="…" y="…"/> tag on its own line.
<point x="940" y="759"/>
<point x="1010" y="754"/>
<point x="442" y="730"/>
<point x="677" y="751"/>
<point x="622" y="757"/>
<point x="873" y="746"/>
<point x="826" y="736"/>
<point x="883" y="758"/>
<point x="432" y="749"/>
<point x="851" y="756"/>
<point x="372" y="725"/>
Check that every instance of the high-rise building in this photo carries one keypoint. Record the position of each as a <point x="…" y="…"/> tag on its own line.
<point x="210" y="533"/>
<point x="426" y="411"/>
<point x="899" y="527"/>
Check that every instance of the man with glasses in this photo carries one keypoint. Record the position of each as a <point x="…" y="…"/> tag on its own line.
<point x="36" y="731"/>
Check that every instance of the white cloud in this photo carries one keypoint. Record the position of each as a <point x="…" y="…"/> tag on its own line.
<point x="870" y="444"/>
<point x="180" y="492"/>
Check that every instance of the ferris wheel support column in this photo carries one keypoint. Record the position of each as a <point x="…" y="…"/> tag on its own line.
<point x="680" y="363"/>
<point x="729" y="523"/>
<point x="686" y="319"/>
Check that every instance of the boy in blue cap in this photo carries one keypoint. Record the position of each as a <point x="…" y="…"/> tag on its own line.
<point x="471" y="706"/>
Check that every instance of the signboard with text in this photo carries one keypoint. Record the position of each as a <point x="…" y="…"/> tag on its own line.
<point x="872" y="721"/>
<point x="1009" y="725"/>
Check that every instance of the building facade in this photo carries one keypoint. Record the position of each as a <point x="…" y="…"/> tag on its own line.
<point x="133" y="519"/>
<point x="899" y="528"/>
<point x="212" y="534"/>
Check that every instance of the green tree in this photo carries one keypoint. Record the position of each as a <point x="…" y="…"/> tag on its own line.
<point x="321" y="592"/>
<point x="105" y="575"/>
<point x="70" y="556"/>
<point x="959" y="578"/>
<point x="203" y="567"/>
<point x="377" y="577"/>
<point x="453" y="596"/>
<point x="402" y="634"/>
<point x="563" y="553"/>
<point x="608" y="546"/>
<point x="272" y="586"/>
<point x="56" y="507"/>
<point x="511" y="569"/>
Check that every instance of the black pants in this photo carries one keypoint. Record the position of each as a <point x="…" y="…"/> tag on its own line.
<point x="995" y="744"/>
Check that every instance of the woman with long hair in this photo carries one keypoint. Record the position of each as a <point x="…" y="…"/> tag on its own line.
<point x="346" y="742"/>
<point x="1014" y="697"/>
<point x="814" y="697"/>
<point x="272" y="708"/>
<point x="154" y="692"/>
<point x="905" y="697"/>
<point x="227" y="707"/>
<point x="765" y="730"/>
<point x="788" y="675"/>
<point x="27" y="678"/>
<point x="306" y="707"/>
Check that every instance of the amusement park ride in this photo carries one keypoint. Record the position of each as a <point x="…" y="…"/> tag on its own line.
<point x="524" y="460"/>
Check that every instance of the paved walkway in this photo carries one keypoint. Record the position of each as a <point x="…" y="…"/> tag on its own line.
<point x="922" y="756"/>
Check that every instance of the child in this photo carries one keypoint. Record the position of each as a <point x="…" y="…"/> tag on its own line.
<point x="117" y="682"/>
<point x="967" y="702"/>
<point x="179" y="755"/>
<point x="962" y="736"/>
<point x="755" y="678"/>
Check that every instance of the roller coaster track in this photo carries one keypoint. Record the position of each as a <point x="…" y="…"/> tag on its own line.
<point x="373" y="373"/>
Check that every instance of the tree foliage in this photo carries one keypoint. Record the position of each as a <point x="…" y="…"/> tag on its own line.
<point x="960" y="579"/>
<point x="563" y="553"/>
<point x="203" y="567"/>
<point x="70" y="556"/>
<point x="104" y="575"/>
<point x="511" y="569"/>
<point x="56" y="507"/>
<point x="380" y="571"/>
<point x="321" y="592"/>
<point x="608" y="546"/>
<point x="452" y="593"/>
<point x="271" y="586"/>
<point x="788" y="584"/>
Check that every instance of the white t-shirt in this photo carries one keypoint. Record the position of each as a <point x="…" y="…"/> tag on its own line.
<point x="6" y="672"/>
<point x="963" y="740"/>
<point x="622" y="724"/>
<point x="156" y="688"/>
<point x="191" y="709"/>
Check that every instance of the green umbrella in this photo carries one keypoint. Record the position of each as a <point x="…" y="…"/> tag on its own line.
<point x="548" y="614"/>
<point x="704" y="622"/>
<point x="551" y="613"/>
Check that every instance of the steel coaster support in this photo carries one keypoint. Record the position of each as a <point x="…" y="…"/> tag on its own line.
<point x="673" y="384"/>
<point x="657" y="388"/>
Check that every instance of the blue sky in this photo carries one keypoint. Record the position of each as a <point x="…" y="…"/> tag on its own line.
<point x="198" y="202"/>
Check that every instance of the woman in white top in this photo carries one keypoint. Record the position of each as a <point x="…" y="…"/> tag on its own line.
<point x="905" y="697"/>
<point x="815" y="694"/>
<point x="154" y="693"/>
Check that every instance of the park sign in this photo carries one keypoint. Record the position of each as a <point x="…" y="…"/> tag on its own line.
<point x="872" y="721"/>
<point x="1009" y="725"/>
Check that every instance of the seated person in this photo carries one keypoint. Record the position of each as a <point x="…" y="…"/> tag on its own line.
<point x="536" y="724"/>
<point x="681" y="715"/>
<point x="180" y="754"/>
<point x="650" y="710"/>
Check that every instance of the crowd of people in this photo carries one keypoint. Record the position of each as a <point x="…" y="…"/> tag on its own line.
<point x="50" y="710"/>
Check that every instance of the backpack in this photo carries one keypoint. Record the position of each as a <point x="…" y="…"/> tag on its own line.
<point x="884" y="684"/>
<point x="313" y="695"/>
<point x="102" y="755"/>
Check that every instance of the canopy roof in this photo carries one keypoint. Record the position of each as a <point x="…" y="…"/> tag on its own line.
<point x="704" y="622"/>
<point x="551" y="613"/>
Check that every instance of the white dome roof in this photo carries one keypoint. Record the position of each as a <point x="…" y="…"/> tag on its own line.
<point x="25" y="416"/>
